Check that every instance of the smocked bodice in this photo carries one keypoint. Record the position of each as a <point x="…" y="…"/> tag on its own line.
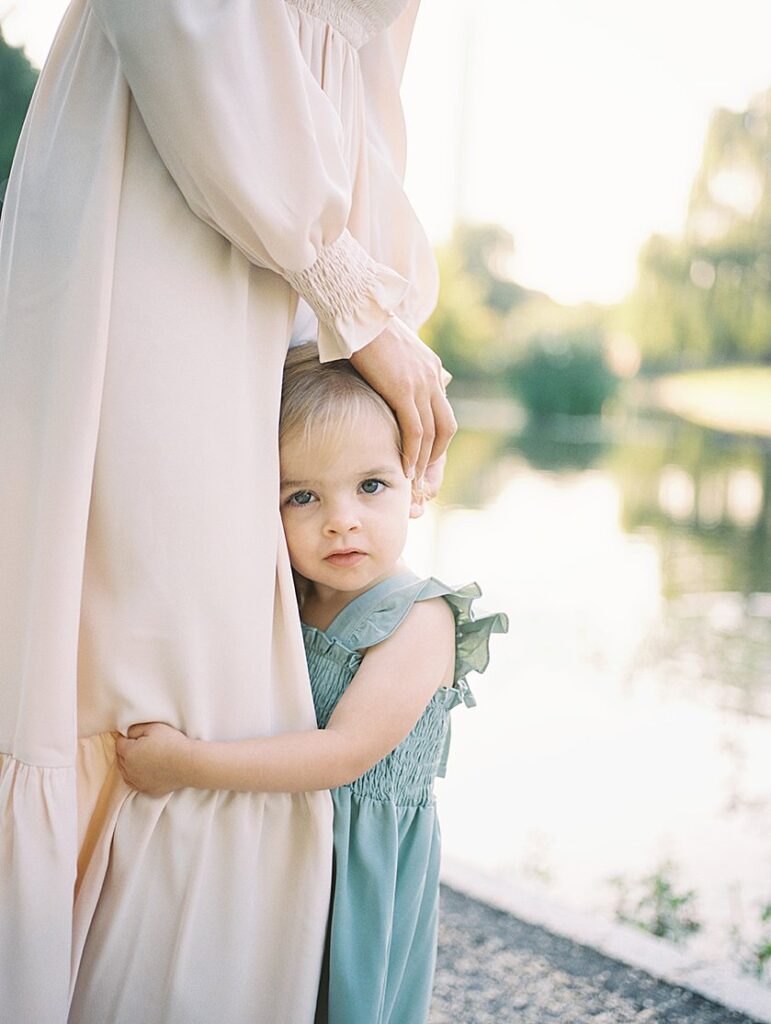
<point x="406" y="776"/>
<point x="357" y="20"/>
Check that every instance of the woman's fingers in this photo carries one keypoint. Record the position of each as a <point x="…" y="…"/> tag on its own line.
<point x="432" y="481"/>
<point x="411" y="429"/>
<point x="425" y="411"/>
<point x="438" y="427"/>
<point x="445" y="426"/>
<point x="410" y="377"/>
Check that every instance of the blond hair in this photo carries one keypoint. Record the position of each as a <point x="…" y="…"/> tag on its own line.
<point x="323" y="401"/>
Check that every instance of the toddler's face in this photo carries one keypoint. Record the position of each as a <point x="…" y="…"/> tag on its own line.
<point x="346" y="508"/>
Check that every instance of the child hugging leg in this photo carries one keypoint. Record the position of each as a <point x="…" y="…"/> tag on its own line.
<point x="388" y="653"/>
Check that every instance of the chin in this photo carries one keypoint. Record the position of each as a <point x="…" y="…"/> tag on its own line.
<point x="351" y="580"/>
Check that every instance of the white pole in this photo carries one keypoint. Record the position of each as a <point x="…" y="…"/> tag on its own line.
<point x="462" y="155"/>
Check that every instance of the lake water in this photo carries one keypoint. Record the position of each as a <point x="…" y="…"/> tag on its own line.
<point x="625" y="720"/>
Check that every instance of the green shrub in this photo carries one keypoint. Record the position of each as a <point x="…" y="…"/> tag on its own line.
<point x="562" y="374"/>
<point x="653" y="904"/>
<point x="17" y="82"/>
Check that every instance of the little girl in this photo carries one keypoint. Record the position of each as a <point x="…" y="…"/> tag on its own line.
<point x="388" y="654"/>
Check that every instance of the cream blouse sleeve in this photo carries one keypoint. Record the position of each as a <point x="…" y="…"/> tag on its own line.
<point x="256" y="148"/>
<point x="397" y="236"/>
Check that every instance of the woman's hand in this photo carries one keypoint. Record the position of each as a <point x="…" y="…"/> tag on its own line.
<point x="154" y="758"/>
<point x="410" y="377"/>
<point x="432" y="481"/>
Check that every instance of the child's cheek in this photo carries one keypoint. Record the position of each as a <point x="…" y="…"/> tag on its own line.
<point x="286" y="521"/>
<point x="294" y="537"/>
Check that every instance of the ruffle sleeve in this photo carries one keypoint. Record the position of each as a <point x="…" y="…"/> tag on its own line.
<point x="383" y="616"/>
<point x="472" y="647"/>
<point x="472" y="635"/>
<point x="257" y="149"/>
<point x="379" y="617"/>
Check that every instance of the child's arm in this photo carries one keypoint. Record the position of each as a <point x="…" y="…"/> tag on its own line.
<point x="384" y="700"/>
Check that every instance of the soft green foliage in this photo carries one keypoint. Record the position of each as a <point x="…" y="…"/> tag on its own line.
<point x="470" y="328"/>
<point x="562" y="373"/>
<point x="705" y="298"/>
<point x="755" y="956"/>
<point x="485" y="252"/>
<point x="654" y="905"/>
<point x="500" y="337"/>
<point x="17" y="82"/>
<point x="701" y="299"/>
<point x="462" y="330"/>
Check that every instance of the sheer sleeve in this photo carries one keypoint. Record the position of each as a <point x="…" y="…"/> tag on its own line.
<point x="256" y="149"/>
<point x="397" y="236"/>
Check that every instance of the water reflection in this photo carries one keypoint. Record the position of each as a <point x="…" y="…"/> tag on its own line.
<point x="626" y="718"/>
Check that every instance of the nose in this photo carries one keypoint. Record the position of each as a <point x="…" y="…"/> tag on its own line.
<point x="342" y="517"/>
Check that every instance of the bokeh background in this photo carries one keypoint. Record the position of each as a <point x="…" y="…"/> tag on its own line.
<point x="596" y="178"/>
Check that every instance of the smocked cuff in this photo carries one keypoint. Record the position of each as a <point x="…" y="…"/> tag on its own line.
<point x="352" y="296"/>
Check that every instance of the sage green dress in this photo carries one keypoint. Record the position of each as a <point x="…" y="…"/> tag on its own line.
<point x="383" y="925"/>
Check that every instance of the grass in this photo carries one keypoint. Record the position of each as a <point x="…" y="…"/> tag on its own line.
<point x="731" y="398"/>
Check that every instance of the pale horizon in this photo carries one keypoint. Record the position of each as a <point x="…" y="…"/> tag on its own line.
<point x="585" y="121"/>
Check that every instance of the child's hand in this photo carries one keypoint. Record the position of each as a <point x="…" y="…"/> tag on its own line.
<point x="153" y="758"/>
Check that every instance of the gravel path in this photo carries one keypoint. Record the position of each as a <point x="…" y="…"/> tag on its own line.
<point x="495" y="969"/>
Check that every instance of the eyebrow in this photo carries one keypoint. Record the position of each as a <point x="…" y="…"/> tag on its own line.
<point x="377" y="471"/>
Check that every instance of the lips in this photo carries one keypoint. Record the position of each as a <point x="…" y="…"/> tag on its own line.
<point x="350" y="556"/>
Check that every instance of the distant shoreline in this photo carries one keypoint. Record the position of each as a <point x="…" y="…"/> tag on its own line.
<point x="731" y="398"/>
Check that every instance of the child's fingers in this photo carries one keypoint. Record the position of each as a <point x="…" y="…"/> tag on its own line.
<point x="123" y="769"/>
<point x="123" y="746"/>
<point x="138" y="729"/>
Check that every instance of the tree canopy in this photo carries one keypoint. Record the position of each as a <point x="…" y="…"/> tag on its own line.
<point x="17" y="82"/>
<point x="705" y="298"/>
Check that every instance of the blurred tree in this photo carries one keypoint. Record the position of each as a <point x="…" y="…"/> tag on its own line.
<point x="486" y="252"/>
<point x="488" y="329"/>
<point x="462" y="329"/>
<point x="470" y="327"/>
<point x="17" y="82"/>
<point x="706" y="297"/>
<point x="563" y="373"/>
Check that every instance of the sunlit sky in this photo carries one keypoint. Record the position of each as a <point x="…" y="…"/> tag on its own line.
<point x="584" y="119"/>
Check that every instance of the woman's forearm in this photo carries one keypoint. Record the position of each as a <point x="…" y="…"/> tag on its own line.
<point x="293" y="762"/>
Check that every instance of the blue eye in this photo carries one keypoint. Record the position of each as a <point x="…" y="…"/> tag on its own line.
<point x="372" y="486"/>
<point x="300" y="498"/>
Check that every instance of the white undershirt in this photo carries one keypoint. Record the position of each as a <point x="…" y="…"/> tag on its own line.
<point x="306" y="325"/>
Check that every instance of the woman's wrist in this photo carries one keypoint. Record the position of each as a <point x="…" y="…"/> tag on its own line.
<point x="353" y="296"/>
<point x="341" y="278"/>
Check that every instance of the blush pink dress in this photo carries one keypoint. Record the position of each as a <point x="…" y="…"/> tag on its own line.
<point x="187" y="169"/>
